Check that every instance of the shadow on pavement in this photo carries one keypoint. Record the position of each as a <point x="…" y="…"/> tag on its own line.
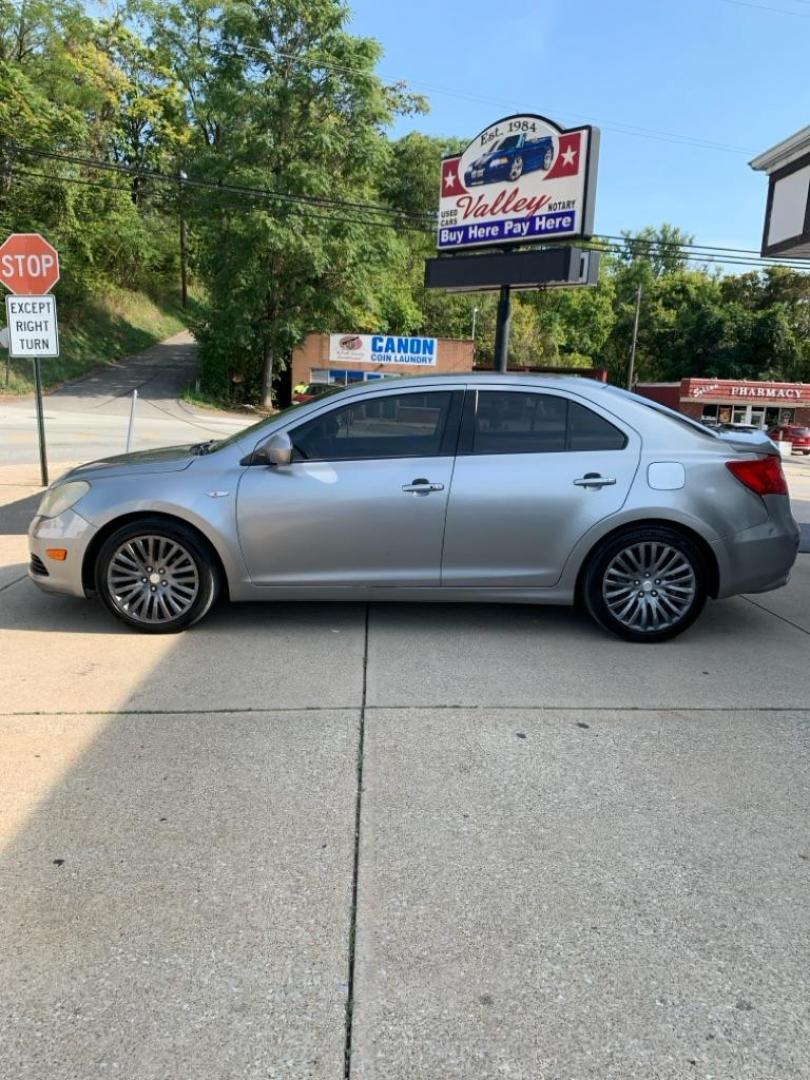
<point x="15" y="517"/>
<point x="175" y="887"/>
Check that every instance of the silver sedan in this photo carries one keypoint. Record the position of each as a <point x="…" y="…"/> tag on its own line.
<point x="470" y="487"/>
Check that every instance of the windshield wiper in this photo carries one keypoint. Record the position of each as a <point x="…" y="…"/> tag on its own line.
<point x="200" y="448"/>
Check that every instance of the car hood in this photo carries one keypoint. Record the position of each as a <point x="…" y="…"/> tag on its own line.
<point x="164" y="460"/>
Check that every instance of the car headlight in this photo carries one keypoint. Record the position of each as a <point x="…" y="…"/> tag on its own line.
<point x="60" y="498"/>
<point x="500" y="161"/>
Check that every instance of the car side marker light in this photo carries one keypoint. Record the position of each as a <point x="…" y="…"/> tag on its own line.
<point x="57" y="554"/>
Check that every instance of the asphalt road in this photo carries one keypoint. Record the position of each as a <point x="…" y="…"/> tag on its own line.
<point x="89" y="418"/>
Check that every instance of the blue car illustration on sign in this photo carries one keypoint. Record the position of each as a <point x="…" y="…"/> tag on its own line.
<point x="510" y="158"/>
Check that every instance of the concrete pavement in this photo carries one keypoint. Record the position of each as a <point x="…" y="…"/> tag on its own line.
<point x="577" y="858"/>
<point x="592" y="894"/>
<point x="174" y="899"/>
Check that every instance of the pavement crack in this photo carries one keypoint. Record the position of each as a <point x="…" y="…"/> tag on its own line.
<point x="780" y="617"/>
<point x="16" y="581"/>
<point x="358" y="810"/>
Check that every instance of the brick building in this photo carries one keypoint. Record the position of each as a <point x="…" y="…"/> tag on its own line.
<point x="732" y="401"/>
<point x="349" y="358"/>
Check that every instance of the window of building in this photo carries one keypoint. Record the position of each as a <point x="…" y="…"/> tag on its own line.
<point x="395" y="425"/>
<point x="344" y="376"/>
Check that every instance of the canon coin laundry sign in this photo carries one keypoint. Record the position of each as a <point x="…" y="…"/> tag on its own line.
<point x="383" y="349"/>
<point x="522" y="179"/>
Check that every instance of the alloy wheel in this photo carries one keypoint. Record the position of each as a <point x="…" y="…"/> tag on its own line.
<point x="153" y="579"/>
<point x="649" y="586"/>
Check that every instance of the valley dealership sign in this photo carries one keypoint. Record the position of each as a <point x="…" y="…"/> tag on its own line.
<point x="729" y="390"/>
<point x="383" y="349"/>
<point x="522" y="179"/>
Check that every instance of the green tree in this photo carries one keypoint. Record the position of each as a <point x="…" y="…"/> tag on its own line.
<point x="287" y="104"/>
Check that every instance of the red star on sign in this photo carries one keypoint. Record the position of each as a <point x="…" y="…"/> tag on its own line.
<point x="451" y="183"/>
<point x="567" y="161"/>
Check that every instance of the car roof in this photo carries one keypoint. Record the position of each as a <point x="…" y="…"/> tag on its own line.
<point x="550" y="382"/>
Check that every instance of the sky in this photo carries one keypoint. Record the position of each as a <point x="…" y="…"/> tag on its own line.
<point x="685" y="92"/>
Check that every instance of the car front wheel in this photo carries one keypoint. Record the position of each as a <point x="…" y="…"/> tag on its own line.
<point x="156" y="576"/>
<point x="646" y="584"/>
<point x="516" y="169"/>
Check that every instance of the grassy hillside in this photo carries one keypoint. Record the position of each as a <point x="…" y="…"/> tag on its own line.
<point x="107" y="328"/>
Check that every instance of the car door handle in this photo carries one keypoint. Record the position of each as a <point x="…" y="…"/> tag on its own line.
<point x="594" y="480"/>
<point x="422" y="487"/>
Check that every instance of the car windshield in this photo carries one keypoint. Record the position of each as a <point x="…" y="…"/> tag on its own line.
<point x="254" y="429"/>
<point x="509" y="143"/>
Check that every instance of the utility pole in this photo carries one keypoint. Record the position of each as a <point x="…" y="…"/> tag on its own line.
<point x="631" y="372"/>
<point x="474" y="316"/>
<point x="502" y="330"/>
<point x="183" y="243"/>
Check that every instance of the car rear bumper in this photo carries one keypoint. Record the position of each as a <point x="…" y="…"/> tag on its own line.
<point x="68" y="532"/>
<point x="757" y="559"/>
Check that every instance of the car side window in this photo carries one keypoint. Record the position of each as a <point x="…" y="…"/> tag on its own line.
<point x="508" y="422"/>
<point x="513" y="422"/>
<point x="589" y="431"/>
<point x="388" y="426"/>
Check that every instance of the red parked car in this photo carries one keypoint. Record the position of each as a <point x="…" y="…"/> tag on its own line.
<point x="792" y="433"/>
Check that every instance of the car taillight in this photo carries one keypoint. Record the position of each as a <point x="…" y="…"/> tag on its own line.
<point x="763" y="475"/>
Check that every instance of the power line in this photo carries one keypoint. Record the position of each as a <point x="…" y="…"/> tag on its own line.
<point x="427" y="219"/>
<point x="695" y="253"/>
<point x="706" y="260"/>
<point x="767" y="7"/>
<point x="15" y="170"/>
<point x="224" y="191"/>
<point x="180" y="181"/>
<point x="632" y="241"/>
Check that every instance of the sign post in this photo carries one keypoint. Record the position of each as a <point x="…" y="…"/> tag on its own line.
<point x="502" y="329"/>
<point x="29" y="269"/>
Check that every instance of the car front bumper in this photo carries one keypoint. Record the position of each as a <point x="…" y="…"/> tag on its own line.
<point x="69" y="532"/>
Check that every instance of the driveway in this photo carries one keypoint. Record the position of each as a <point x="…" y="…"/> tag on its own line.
<point x="89" y="418"/>
<point x="319" y="841"/>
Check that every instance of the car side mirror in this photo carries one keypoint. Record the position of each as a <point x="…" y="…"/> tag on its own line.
<point x="277" y="450"/>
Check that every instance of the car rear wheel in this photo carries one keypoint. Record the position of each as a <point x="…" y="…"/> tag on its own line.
<point x="516" y="169"/>
<point x="548" y="158"/>
<point x="646" y="584"/>
<point x="156" y="576"/>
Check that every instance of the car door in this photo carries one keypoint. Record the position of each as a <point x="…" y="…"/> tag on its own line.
<point x="535" y="471"/>
<point x="363" y="501"/>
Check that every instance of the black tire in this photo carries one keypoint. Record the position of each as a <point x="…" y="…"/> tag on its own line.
<point x="548" y="159"/>
<point x="172" y="603"/>
<point x="662" y="607"/>
<point x="516" y="170"/>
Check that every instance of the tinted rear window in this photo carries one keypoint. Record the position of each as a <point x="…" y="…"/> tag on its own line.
<point x="513" y="422"/>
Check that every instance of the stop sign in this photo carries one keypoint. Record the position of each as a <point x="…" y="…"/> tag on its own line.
<point x="29" y="265"/>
